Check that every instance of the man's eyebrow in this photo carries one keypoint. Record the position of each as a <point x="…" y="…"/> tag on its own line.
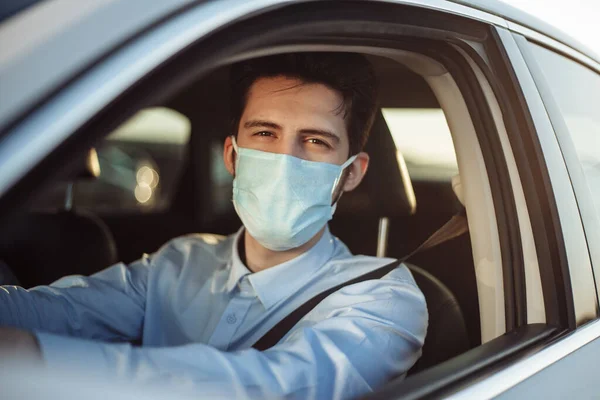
<point x="261" y="123"/>
<point x="321" y="132"/>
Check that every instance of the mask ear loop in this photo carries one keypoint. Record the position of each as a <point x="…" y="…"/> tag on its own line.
<point x="339" y="178"/>
<point x="348" y="162"/>
<point x="233" y="141"/>
<point x="237" y="152"/>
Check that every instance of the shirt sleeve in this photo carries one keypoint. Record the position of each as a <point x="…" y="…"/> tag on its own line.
<point x="352" y="342"/>
<point x="108" y="305"/>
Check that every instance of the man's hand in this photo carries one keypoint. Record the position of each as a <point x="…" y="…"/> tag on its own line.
<point x="19" y="345"/>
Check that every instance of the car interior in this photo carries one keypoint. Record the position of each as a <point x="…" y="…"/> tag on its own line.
<point x="160" y="175"/>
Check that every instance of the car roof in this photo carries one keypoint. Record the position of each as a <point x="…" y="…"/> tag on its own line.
<point x="48" y="43"/>
<point x="527" y="20"/>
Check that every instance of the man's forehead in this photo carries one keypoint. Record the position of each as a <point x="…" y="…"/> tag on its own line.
<point x="283" y="86"/>
<point x="281" y="92"/>
<point x="277" y="84"/>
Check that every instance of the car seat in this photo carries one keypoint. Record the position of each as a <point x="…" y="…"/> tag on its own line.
<point x="41" y="247"/>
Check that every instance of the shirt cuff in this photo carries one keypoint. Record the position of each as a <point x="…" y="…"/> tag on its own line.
<point x="75" y="354"/>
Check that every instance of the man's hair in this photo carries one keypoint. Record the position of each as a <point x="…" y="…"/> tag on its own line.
<point x="350" y="74"/>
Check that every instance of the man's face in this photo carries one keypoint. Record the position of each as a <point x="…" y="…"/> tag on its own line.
<point x="284" y="115"/>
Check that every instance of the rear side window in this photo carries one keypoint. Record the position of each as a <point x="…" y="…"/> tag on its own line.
<point x="141" y="163"/>
<point x="576" y="90"/>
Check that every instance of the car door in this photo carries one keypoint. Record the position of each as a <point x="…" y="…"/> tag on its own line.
<point x="568" y="83"/>
<point x="534" y="272"/>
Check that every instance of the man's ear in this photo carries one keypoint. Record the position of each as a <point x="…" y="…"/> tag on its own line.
<point x="229" y="155"/>
<point x="356" y="171"/>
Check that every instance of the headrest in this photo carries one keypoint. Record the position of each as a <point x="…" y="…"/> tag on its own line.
<point x="386" y="190"/>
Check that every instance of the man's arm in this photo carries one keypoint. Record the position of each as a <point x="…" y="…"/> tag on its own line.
<point x="108" y="305"/>
<point x="353" y="341"/>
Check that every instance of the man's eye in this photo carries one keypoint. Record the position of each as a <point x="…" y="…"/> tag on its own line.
<point x="318" y="142"/>
<point x="263" y="133"/>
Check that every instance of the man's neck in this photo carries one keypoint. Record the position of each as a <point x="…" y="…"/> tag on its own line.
<point x="258" y="257"/>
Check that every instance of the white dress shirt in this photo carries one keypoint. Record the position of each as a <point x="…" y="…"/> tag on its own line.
<point x="198" y="310"/>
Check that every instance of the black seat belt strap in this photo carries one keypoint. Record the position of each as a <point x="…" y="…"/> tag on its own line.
<point x="453" y="228"/>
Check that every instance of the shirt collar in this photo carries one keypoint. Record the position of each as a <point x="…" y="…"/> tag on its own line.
<point x="238" y="270"/>
<point x="281" y="281"/>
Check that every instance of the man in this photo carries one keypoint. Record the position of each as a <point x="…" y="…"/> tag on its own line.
<point x="201" y="302"/>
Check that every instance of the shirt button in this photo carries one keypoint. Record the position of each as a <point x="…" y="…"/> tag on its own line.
<point x="231" y="319"/>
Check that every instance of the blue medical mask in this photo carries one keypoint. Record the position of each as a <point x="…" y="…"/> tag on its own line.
<point x="283" y="201"/>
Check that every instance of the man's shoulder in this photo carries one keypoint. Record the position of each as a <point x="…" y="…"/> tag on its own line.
<point x="395" y="297"/>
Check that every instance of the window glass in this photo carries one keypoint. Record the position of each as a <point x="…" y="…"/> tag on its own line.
<point x="140" y="166"/>
<point x="140" y="163"/>
<point x="423" y="137"/>
<point x="576" y="90"/>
